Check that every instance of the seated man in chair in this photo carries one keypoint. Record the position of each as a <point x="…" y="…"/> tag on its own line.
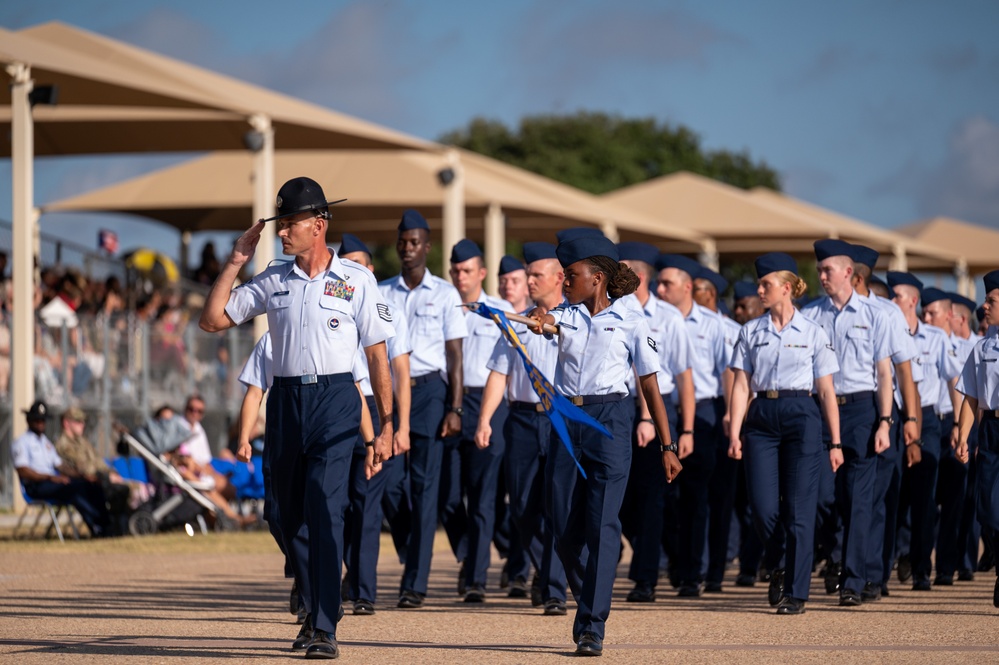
<point x="41" y="472"/>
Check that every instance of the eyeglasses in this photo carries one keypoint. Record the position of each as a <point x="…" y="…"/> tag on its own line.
<point x="191" y="409"/>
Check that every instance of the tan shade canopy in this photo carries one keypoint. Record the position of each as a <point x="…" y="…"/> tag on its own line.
<point x="977" y="244"/>
<point x="214" y="192"/>
<point x="107" y="87"/>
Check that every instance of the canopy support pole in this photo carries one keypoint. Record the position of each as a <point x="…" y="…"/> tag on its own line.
<point x="899" y="260"/>
<point x="495" y="245"/>
<point x="709" y="254"/>
<point x="962" y="278"/>
<point x="453" y="222"/>
<point x="609" y="229"/>
<point x="263" y="203"/>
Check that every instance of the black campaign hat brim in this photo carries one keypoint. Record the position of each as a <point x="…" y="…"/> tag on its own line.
<point x="295" y="212"/>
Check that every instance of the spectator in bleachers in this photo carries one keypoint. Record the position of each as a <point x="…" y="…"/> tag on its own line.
<point x="46" y="477"/>
<point x="204" y="482"/>
<point x="209" y="269"/>
<point x="201" y="451"/>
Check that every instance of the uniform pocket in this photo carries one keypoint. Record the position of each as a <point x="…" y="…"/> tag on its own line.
<point x="279" y="314"/>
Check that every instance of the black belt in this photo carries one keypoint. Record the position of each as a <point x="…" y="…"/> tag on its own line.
<point x="537" y="407"/>
<point x="945" y="416"/>
<point x="586" y="400"/>
<point x="777" y="394"/>
<point x="991" y="415"/>
<point x="426" y="378"/>
<point x="310" y="379"/>
<point x="854" y="397"/>
<point x="473" y="391"/>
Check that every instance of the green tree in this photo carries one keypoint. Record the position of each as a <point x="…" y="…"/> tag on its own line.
<point x="599" y="153"/>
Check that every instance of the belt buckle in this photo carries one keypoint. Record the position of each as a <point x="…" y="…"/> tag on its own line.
<point x="577" y="400"/>
<point x="841" y="399"/>
<point x="772" y="394"/>
<point x="539" y="407"/>
<point x="308" y="379"/>
<point x="412" y="383"/>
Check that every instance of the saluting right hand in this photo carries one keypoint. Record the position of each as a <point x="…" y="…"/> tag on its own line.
<point x="246" y="245"/>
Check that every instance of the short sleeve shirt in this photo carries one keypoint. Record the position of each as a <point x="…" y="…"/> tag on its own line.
<point x="980" y="377"/>
<point x="35" y="452"/>
<point x="596" y="353"/>
<point x="541" y="349"/>
<point x="435" y="317"/>
<point x="859" y="337"/>
<point x="477" y="348"/>
<point x="787" y="359"/>
<point x="671" y="337"/>
<point x="315" y="323"/>
<point x="709" y="360"/>
<point x="961" y="349"/>
<point x="258" y="370"/>
<point x="397" y="346"/>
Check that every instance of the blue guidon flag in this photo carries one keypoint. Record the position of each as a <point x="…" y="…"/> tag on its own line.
<point x="556" y="406"/>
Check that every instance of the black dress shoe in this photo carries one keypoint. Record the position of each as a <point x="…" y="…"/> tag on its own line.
<point x="642" y="593"/>
<point x="689" y="590"/>
<point x="921" y="584"/>
<point x="323" y="646"/>
<point x="884" y="591"/>
<point x="904" y="569"/>
<point x="745" y="580"/>
<point x="475" y="595"/>
<point x="518" y="588"/>
<point x="987" y="562"/>
<point x="965" y="576"/>
<point x="790" y="605"/>
<point x="776" y="589"/>
<point x="537" y="599"/>
<point x="712" y="587"/>
<point x="363" y="608"/>
<point x="849" y="598"/>
<point x="870" y="593"/>
<point x="589" y="645"/>
<point x="831" y="578"/>
<point x="410" y="600"/>
<point x="345" y="589"/>
<point x="995" y="594"/>
<point x="304" y="635"/>
<point x="554" y="608"/>
<point x="944" y="580"/>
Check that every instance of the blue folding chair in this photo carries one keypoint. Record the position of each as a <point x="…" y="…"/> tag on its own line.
<point x="120" y="466"/>
<point x="137" y="470"/>
<point x="53" y="508"/>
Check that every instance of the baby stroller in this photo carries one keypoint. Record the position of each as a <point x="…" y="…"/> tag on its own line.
<point x="176" y="502"/>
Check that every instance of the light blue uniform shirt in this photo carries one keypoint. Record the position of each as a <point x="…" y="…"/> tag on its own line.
<point x="731" y="330"/>
<point x="671" y="337"/>
<point x="900" y="342"/>
<point x="477" y="348"/>
<point x="541" y="349"/>
<point x="789" y="359"/>
<point x="35" y="452"/>
<point x="259" y="368"/>
<point x="435" y="317"/>
<point x="397" y="346"/>
<point x="709" y="359"/>
<point x="938" y="360"/>
<point x="595" y="354"/>
<point x="962" y="348"/>
<point x="980" y="377"/>
<point x="315" y="324"/>
<point x="859" y="336"/>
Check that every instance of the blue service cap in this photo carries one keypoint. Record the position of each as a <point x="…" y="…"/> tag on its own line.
<point x="638" y="251"/>
<point x="743" y="289"/>
<point x="719" y="282"/>
<point x="464" y="250"/>
<point x="991" y="281"/>
<point x="570" y="251"/>
<point x="774" y="261"/>
<point x="865" y="255"/>
<point x="932" y="294"/>
<point x="877" y="280"/>
<point x="509" y="264"/>
<point x="680" y="262"/>
<point x="958" y="299"/>
<point x="411" y="220"/>
<point x="896" y="278"/>
<point x="832" y="247"/>
<point x="351" y="244"/>
<point x="565" y="235"/>
<point x="723" y="308"/>
<point x="536" y="251"/>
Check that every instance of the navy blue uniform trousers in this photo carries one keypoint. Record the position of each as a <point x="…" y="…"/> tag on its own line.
<point x="644" y="500"/>
<point x="313" y="428"/>
<point x="881" y="548"/>
<point x="922" y="481"/>
<point x="425" y="453"/>
<point x="585" y="511"/>
<point x="364" y="518"/>
<point x="987" y="482"/>
<point x="952" y="483"/>
<point x="693" y="491"/>
<point x="783" y="454"/>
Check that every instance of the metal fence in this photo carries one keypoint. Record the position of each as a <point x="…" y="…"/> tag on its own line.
<point x="120" y="369"/>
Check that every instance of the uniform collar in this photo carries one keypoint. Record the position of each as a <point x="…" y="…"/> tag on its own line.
<point x="617" y="308"/>
<point x="335" y="268"/>
<point x="426" y="282"/>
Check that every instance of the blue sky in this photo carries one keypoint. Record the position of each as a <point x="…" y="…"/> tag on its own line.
<point x="887" y="110"/>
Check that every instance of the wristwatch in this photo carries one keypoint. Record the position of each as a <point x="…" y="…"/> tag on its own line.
<point x="886" y="419"/>
<point x="369" y="444"/>
<point x="671" y="448"/>
<point x="916" y="442"/>
<point x="687" y="431"/>
<point x="459" y="411"/>
<point x="835" y="446"/>
<point x="911" y="419"/>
